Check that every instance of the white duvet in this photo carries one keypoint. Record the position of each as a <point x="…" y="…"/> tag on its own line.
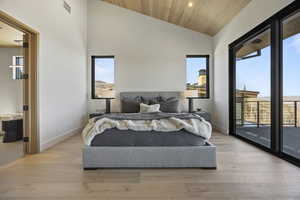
<point x="195" y="126"/>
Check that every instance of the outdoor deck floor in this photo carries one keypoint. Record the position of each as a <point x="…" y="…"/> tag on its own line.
<point x="261" y="135"/>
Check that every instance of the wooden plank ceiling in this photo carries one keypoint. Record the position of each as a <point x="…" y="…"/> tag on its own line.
<point x="204" y="16"/>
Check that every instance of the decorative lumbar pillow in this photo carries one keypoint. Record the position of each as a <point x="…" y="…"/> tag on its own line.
<point x="144" y="108"/>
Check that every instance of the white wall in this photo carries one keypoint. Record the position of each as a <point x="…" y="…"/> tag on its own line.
<point x="62" y="63"/>
<point x="149" y="53"/>
<point x="11" y="91"/>
<point x="252" y="15"/>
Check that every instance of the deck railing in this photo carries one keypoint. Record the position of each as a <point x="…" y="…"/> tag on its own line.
<point x="258" y="113"/>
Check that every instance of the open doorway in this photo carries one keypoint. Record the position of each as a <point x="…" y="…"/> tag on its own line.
<point x="11" y="90"/>
<point x="18" y="90"/>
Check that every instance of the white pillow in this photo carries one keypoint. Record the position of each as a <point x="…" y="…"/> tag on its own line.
<point x="144" y="108"/>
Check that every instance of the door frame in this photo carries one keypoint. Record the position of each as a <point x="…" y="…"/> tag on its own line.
<point x="275" y="24"/>
<point x="30" y="96"/>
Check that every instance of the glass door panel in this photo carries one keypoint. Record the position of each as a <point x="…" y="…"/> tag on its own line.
<point x="291" y="86"/>
<point x="253" y="89"/>
<point x="259" y="69"/>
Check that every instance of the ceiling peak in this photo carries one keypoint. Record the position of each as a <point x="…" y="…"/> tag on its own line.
<point x="204" y="16"/>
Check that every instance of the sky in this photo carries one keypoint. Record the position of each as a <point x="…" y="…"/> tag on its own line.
<point x="254" y="73"/>
<point x="193" y="65"/>
<point x="104" y="70"/>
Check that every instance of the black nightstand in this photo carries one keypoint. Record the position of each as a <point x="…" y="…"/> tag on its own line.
<point x="191" y="104"/>
<point x="92" y="115"/>
<point x="203" y="114"/>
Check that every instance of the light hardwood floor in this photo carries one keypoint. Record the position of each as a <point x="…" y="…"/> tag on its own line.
<point x="244" y="172"/>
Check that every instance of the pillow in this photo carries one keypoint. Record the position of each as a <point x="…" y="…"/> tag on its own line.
<point x="131" y="105"/>
<point x="170" y="105"/>
<point x="155" y="100"/>
<point x="144" y="108"/>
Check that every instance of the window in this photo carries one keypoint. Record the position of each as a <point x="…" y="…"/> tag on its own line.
<point x="103" y="70"/>
<point x="197" y="76"/>
<point x="17" y="67"/>
<point x="290" y="85"/>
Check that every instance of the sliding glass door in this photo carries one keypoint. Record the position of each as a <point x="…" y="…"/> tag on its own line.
<point x="264" y="82"/>
<point x="291" y="85"/>
<point x="253" y="88"/>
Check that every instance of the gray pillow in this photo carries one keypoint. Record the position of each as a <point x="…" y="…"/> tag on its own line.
<point x="170" y="105"/>
<point x="131" y="105"/>
<point x="159" y="99"/>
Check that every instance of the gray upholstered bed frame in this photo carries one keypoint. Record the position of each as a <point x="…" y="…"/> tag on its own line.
<point x="150" y="157"/>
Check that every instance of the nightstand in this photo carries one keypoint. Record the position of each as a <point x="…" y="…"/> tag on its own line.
<point x="92" y="115"/>
<point x="203" y="114"/>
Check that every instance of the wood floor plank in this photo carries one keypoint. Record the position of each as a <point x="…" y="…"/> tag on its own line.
<point x="244" y="172"/>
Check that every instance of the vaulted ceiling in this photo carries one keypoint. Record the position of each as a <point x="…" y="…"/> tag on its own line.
<point x="204" y="16"/>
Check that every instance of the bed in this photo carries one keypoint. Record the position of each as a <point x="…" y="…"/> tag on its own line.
<point x="134" y="148"/>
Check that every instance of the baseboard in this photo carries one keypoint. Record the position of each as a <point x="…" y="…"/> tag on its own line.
<point x="50" y="143"/>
